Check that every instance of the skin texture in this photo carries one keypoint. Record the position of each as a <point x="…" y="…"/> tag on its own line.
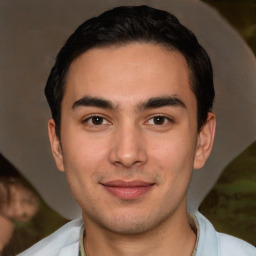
<point x="131" y="141"/>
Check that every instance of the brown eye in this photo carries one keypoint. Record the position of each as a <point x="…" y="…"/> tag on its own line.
<point x="96" y="120"/>
<point x="159" y="120"/>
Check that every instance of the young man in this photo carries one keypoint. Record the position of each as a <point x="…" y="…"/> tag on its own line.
<point x="131" y="95"/>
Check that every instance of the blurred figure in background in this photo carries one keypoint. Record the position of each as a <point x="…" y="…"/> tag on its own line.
<point x="18" y="203"/>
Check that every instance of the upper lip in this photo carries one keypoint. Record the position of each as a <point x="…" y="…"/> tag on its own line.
<point x="125" y="184"/>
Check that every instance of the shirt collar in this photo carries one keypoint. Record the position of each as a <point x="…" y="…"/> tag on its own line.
<point x="192" y="221"/>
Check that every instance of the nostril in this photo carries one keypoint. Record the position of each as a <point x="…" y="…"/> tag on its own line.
<point x="128" y="160"/>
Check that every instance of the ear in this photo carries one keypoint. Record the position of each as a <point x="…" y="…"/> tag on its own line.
<point x="55" y="145"/>
<point x="205" y="141"/>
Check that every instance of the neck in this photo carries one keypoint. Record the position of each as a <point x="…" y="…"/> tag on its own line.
<point x="173" y="237"/>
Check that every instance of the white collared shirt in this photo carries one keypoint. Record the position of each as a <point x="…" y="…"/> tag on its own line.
<point x="65" y="241"/>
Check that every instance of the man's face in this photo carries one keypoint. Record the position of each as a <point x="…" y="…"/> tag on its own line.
<point x="129" y="136"/>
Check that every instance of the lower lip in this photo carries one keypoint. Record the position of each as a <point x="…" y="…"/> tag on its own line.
<point x="128" y="192"/>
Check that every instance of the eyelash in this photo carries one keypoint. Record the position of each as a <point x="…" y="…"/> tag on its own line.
<point x="166" y="120"/>
<point x="87" y="120"/>
<point x="104" y="121"/>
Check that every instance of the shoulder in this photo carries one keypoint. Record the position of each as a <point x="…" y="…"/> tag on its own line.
<point x="234" y="246"/>
<point x="213" y="243"/>
<point x="64" y="239"/>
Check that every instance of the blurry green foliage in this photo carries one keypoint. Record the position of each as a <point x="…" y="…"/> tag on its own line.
<point x="231" y="204"/>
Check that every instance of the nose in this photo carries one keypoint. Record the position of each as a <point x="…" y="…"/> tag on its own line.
<point x="128" y="148"/>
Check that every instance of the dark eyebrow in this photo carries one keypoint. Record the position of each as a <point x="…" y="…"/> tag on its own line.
<point x="159" y="102"/>
<point x="94" y="102"/>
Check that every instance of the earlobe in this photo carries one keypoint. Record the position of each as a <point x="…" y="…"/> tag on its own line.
<point x="205" y="141"/>
<point x="55" y="145"/>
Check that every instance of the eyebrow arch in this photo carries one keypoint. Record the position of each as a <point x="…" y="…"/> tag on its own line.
<point x="94" y="102"/>
<point x="159" y="102"/>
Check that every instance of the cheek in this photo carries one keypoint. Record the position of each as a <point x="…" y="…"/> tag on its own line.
<point x="172" y="149"/>
<point x="84" y="159"/>
<point x="173" y="156"/>
<point x="84" y="151"/>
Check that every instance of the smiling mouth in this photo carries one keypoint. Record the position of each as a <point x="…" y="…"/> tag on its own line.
<point x="127" y="189"/>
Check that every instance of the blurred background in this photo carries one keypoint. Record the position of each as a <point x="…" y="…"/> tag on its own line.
<point x="230" y="205"/>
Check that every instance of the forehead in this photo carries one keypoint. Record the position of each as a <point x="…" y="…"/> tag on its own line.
<point x="127" y="72"/>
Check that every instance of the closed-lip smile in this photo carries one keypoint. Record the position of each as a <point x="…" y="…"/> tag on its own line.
<point x="127" y="189"/>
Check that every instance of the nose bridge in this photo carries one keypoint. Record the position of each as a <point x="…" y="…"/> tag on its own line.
<point x="128" y="148"/>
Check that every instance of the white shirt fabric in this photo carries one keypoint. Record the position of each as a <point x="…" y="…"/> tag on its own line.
<point x="65" y="242"/>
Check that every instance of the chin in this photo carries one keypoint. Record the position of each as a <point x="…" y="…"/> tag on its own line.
<point x="129" y="224"/>
<point x="129" y="228"/>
